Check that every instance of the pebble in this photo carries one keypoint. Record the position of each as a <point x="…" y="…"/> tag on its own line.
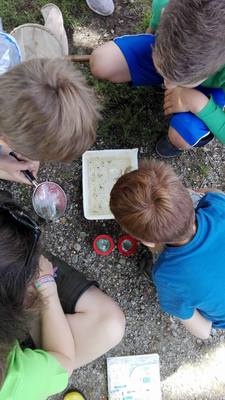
<point x="75" y="259"/>
<point x="82" y="235"/>
<point x="77" y="247"/>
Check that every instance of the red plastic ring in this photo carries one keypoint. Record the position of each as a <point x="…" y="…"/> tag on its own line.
<point x="103" y="245"/>
<point x="127" y="245"/>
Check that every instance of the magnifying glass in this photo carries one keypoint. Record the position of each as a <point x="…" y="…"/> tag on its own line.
<point x="127" y="245"/>
<point x="49" y="199"/>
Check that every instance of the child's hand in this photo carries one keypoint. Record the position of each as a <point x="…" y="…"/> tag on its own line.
<point x="10" y="168"/>
<point x="34" y="165"/>
<point x="181" y="99"/>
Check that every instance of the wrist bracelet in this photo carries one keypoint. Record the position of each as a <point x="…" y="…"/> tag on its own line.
<point x="43" y="279"/>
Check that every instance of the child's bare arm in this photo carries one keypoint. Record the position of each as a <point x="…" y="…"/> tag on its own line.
<point x="182" y="99"/>
<point x="198" y="326"/>
<point x="56" y="335"/>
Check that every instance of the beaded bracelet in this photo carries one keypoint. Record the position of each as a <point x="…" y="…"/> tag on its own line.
<point x="43" y="279"/>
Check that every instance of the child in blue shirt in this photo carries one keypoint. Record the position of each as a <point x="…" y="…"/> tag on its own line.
<point x="152" y="204"/>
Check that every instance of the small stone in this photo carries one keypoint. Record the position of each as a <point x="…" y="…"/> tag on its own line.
<point x="74" y="259"/>
<point x="82" y="235"/>
<point x="77" y="247"/>
<point x="213" y="332"/>
<point x="112" y="31"/>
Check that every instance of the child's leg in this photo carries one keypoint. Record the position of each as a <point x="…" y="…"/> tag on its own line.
<point x="187" y="130"/>
<point x="126" y="59"/>
<point x="108" y="62"/>
<point x="176" y="139"/>
<point x="97" y="325"/>
<point x="96" y="321"/>
<point x="198" y="326"/>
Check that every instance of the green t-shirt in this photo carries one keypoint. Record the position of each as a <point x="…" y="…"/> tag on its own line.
<point x="32" y="375"/>
<point x="212" y="115"/>
<point x="157" y="8"/>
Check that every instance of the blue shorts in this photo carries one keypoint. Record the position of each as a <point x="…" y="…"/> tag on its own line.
<point x="137" y="50"/>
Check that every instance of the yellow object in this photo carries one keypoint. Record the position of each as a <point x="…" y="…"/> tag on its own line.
<point x="74" y="396"/>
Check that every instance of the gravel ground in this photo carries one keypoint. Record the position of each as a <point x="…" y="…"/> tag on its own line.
<point x="190" y="368"/>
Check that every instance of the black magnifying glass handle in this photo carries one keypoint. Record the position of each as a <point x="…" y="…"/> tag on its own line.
<point x="28" y="174"/>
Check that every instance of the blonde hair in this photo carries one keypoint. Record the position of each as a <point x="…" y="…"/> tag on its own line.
<point x="47" y="111"/>
<point x="152" y="204"/>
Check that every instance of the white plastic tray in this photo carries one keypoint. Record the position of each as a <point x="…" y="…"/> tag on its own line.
<point x="101" y="169"/>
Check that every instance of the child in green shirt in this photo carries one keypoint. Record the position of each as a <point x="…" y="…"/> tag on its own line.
<point x="186" y="56"/>
<point x="70" y="321"/>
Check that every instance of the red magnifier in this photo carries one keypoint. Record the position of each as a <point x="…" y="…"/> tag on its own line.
<point x="127" y="245"/>
<point x="103" y="245"/>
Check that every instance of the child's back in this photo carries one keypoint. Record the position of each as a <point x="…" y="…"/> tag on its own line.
<point x="192" y="276"/>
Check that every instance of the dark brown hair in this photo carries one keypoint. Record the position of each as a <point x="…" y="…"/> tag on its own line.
<point x="152" y="204"/>
<point x="190" y="40"/>
<point x="16" y="313"/>
<point x="47" y="111"/>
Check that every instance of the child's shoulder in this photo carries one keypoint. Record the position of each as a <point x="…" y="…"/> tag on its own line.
<point x="213" y="200"/>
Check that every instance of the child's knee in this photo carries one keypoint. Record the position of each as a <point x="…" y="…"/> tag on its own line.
<point x="177" y="140"/>
<point x="113" y="324"/>
<point x="99" y="63"/>
<point x="107" y="62"/>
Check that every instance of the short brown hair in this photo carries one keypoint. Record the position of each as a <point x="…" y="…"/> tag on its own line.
<point x="152" y="204"/>
<point x="190" y="40"/>
<point x="47" y="111"/>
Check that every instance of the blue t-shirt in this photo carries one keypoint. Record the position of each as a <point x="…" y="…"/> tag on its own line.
<point x="192" y="276"/>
